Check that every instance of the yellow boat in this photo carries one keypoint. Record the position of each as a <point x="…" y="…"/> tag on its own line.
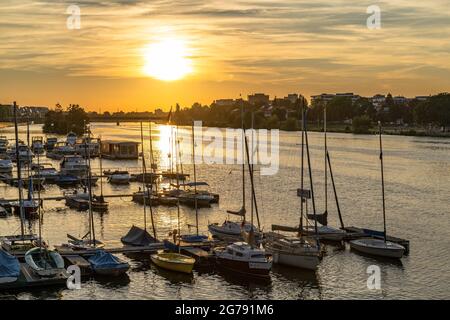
<point x="174" y="262"/>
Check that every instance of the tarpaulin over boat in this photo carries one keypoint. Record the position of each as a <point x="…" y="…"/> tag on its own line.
<point x="138" y="237"/>
<point x="103" y="259"/>
<point x="9" y="265"/>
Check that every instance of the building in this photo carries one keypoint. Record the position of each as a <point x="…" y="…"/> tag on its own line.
<point x="258" y="98"/>
<point x="119" y="149"/>
<point x="422" y="98"/>
<point x="225" y="102"/>
<point x="292" y="97"/>
<point x="400" y="100"/>
<point x="378" y="100"/>
<point x="326" y="97"/>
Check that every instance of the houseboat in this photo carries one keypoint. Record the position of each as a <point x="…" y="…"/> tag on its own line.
<point x="119" y="149"/>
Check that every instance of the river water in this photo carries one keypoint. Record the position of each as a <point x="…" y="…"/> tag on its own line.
<point x="417" y="178"/>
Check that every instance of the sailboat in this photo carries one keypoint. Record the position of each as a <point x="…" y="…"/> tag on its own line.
<point x="231" y="229"/>
<point x="245" y="257"/>
<point x="197" y="237"/>
<point x="379" y="247"/>
<point x="174" y="261"/>
<point x="325" y="232"/>
<point x="291" y="251"/>
<point x="137" y="236"/>
<point x="23" y="242"/>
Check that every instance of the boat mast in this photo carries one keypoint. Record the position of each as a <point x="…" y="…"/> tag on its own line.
<point x="150" y="190"/>
<point x="178" y="204"/>
<point x="144" y="171"/>
<point x="302" y="200"/>
<point x="88" y="154"/>
<point x="101" y="170"/>
<point x="243" y="156"/>
<point x="195" y="177"/>
<point x="335" y="193"/>
<point x="382" y="181"/>
<point x="325" y="156"/>
<point x="252" y="177"/>
<point x="310" y="175"/>
<point x="152" y="158"/>
<point x="19" y="172"/>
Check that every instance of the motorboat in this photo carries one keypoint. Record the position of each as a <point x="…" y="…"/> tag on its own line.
<point x="119" y="177"/>
<point x="74" y="165"/>
<point x="50" y="143"/>
<point x="378" y="247"/>
<point x="4" y="142"/>
<point x="173" y="261"/>
<point x="241" y="257"/>
<point x="71" y="139"/>
<point x="67" y="180"/>
<point x="37" y="145"/>
<point x="6" y="166"/>
<point x="47" y="172"/>
<point x="25" y="154"/>
<point x="80" y="201"/>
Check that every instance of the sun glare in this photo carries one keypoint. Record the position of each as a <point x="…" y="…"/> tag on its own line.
<point x="167" y="60"/>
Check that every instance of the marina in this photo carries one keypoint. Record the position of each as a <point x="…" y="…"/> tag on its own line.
<point x="122" y="213"/>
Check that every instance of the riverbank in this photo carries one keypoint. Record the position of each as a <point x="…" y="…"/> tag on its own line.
<point x="331" y="127"/>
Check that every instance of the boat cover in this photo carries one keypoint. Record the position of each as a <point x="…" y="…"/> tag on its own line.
<point x="103" y="259"/>
<point x="9" y="265"/>
<point x="137" y="237"/>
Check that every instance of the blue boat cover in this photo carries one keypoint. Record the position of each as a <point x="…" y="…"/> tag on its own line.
<point x="9" y="265"/>
<point x="193" y="237"/>
<point x="103" y="259"/>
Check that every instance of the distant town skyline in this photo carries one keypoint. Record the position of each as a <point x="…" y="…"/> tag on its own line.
<point x="143" y="55"/>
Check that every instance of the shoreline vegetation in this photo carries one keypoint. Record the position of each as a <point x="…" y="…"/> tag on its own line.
<point x="427" y="117"/>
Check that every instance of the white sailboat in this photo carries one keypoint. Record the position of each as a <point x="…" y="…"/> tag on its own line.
<point x="379" y="247"/>
<point x="298" y="252"/>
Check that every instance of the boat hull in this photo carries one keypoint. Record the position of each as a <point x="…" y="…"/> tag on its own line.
<point x="253" y="269"/>
<point x="395" y="252"/>
<point x="112" y="272"/>
<point x="309" y="262"/>
<point x="173" y="266"/>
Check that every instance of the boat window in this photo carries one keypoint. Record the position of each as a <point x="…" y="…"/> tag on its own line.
<point x="230" y="251"/>
<point x="257" y="256"/>
<point x="239" y="254"/>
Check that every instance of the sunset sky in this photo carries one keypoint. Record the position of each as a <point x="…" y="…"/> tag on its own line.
<point x="139" y="55"/>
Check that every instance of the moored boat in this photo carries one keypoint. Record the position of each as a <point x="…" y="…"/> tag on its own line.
<point x="106" y="264"/>
<point x="44" y="262"/>
<point x="294" y="252"/>
<point x="242" y="258"/>
<point x="173" y="262"/>
<point x="378" y="247"/>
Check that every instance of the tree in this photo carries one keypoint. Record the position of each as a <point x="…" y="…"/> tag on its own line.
<point x="361" y="124"/>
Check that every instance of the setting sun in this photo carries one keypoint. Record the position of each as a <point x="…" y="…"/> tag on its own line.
<point x="167" y="60"/>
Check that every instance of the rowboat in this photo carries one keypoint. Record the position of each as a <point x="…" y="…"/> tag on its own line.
<point x="378" y="247"/>
<point x="174" y="262"/>
<point x="44" y="262"/>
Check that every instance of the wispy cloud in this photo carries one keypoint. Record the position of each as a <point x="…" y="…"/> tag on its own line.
<point x="305" y="43"/>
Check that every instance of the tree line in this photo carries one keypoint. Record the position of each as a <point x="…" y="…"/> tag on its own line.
<point x="60" y="121"/>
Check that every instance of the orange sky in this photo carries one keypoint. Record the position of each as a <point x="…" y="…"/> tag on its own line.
<point x="277" y="47"/>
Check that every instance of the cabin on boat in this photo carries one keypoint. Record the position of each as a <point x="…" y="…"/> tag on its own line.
<point x="119" y="149"/>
